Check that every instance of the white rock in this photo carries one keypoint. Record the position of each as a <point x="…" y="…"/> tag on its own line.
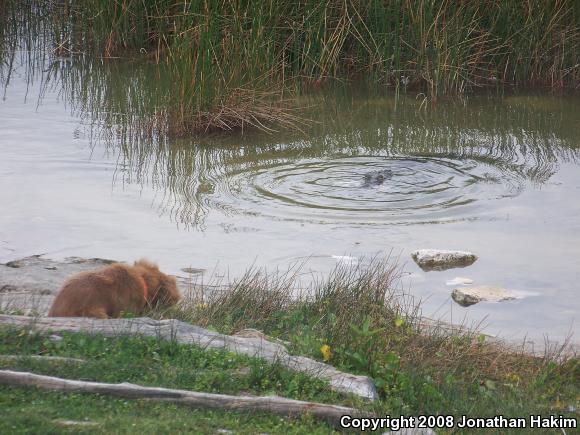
<point x="438" y="259"/>
<point x="472" y="295"/>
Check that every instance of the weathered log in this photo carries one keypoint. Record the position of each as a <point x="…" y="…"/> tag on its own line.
<point x="273" y="404"/>
<point x="181" y="332"/>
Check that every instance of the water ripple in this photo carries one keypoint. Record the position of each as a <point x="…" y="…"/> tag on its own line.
<point x="369" y="189"/>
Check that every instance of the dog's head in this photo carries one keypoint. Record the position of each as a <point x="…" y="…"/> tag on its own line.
<point x="163" y="290"/>
<point x="167" y="293"/>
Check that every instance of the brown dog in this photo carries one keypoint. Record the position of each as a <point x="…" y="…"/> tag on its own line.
<point x="113" y="290"/>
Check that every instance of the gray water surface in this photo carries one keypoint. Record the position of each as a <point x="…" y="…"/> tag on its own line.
<point x="498" y="176"/>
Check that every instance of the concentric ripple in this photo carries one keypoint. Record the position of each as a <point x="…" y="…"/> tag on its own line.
<point x="370" y="189"/>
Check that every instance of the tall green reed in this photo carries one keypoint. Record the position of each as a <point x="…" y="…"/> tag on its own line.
<point x="228" y="64"/>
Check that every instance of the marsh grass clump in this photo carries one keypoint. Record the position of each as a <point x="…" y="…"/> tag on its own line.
<point x="243" y="109"/>
<point x="253" y="301"/>
<point x="358" y="319"/>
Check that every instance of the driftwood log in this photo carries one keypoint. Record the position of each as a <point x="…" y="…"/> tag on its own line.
<point x="273" y="404"/>
<point x="185" y="333"/>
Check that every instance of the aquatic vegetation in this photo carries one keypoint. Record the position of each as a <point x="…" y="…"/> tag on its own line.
<point x="226" y="65"/>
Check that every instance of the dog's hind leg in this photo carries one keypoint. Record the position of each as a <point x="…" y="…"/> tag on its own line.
<point x="97" y="313"/>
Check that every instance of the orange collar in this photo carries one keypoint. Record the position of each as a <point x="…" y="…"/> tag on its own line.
<point x="145" y="288"/>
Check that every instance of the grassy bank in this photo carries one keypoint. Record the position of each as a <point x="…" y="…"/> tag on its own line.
<point x="236" y="64"/>
<point x="356" y="320"/>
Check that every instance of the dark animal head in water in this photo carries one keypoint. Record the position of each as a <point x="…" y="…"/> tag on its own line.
<point x="376" y="178"/>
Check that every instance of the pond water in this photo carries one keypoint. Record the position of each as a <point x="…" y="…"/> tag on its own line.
<point x="498" y="176"/>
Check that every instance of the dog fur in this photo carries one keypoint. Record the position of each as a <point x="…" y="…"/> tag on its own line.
<point x="115" y="289"/>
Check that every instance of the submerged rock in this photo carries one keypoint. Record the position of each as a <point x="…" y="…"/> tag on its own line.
<point x="438" y="259"/>
<point x="466" y="296"/>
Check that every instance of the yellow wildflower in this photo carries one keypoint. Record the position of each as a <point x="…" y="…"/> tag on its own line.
<point x="514" y="378"/>
<point x="325" y="351"/>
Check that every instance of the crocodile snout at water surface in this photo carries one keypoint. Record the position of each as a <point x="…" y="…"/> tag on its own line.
<point x="376" y="178"/>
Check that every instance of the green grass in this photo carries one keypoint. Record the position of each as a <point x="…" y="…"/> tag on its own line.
<point x="147" y="362"/>
<point x="153" y="362"/>
<point x="28" y="411"/>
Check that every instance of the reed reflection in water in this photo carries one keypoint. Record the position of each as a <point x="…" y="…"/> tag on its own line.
<point x="448" y="162"/>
